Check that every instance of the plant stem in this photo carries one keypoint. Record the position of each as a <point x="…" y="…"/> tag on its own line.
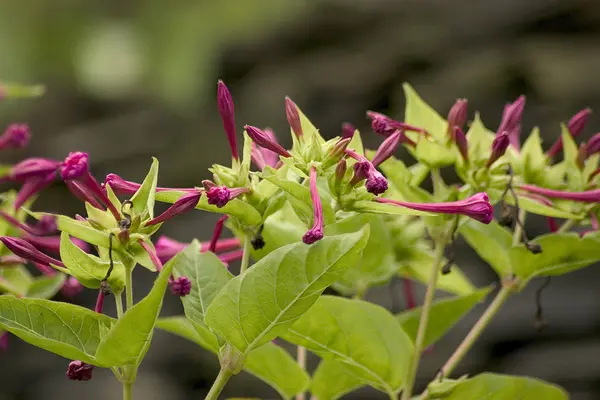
<point x="393" y="396"/>
<point x="246" y="254"/>
<point x="219" y="384"/>
<point x="414" y="362"/>
<point x="129" y="287"/>
<point x="127" y="390"/>
<point x="567" y="226"/>
<point x="301" y="357"/>
<point x="438" y="182"/>
<point x="519" y="227"/>
<point x="119" y="304"/>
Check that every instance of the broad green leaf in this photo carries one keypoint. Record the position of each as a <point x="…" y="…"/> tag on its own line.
<point x="363" y="336"/>
<point x="332" y="380"/>
<point x="182" y="326"/>
<point x="17" y="277"/>
<point x="258" y="305"/>
<point x="381" y="208"/>
<point x="377" y="263"/>
<point x="420" y="114"/>
<point x="7" y="287"/>
<point x="45" y="287"/>
<point x="65" y="329"/>
<point x="491" y="242"/>
<point x="561" y="253"/>
<point x="270" y="363"/>
<point x="129" y="340"/>
<point x="418" y="264"/>
<point x="208" y="276"/>
<point x="236" y="208"/>
<point x="89" y="269"/>
<point x="443" y="316"/>
<point x="505" y="387"/>
<point x="273" y="365"/>
<point x="143" y="199"/>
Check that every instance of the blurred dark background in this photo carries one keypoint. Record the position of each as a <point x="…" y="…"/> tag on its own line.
<point x="130" y="79"/>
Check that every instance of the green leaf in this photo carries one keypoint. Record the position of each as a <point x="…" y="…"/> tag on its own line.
<point x="377" y="263"/>
<point x="331" y="380"/>
<point x="434" y="155"/>
<point x="535" y="207"/>
<point x="480" y="140"/>
<point x="45" y="287"/>
<point x="280" y="229"/>
<point x="273" y="365"/>
<point x="269" y="362"/>
<point x="363" y="336"/>
<point x="420" y="114"/>
<point x="140" y="255"/>
<point x="256" y="306"/>
<point x="491" y="242"/>
<point x="236" y="208"/>
<point x="65" y="329"/>
<point x="443" y="316"/>
<point x="356" y="143"/>
<point x="308" y="129"/>
<point x="373" y="207"/>
<point x="81" y="230"/>
<point x="129" y="340"/>
<point x="143" y="199"/>
<point x="533" y="159"/>
<point x="89" y="269"/>
<point x="418" y="264"/>
<point x="505" y="387"/>
<point x="17" y="277"/>
<point x="208" y="276"/>
<point x="101" y="217"/>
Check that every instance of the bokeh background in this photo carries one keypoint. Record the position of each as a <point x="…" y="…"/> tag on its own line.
<point x="127" y="80"/>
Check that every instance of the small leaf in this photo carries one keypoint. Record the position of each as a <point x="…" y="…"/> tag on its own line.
<point x="128" y="341"/>
<point x="45" y="287"/>
<point x="480" y="140"/>
<point x="89" y="269"/>
<point x="356" y="143"/>
<point x="331" y="380"/>
<point x="363" y="336"/>
<point x="420" y="114"/>
<point x="533" y="159"/>
<point x="101" y="217"/>
<point x="140" y="255"/>
<point x="538" y="208"/>
<point x="505" y="387"/>
<point x="256" y="306"/>
<point x="81" y="230"/>
<point x="269" y="362"/>
<point x="434" y="155"/>
<point x="381" y="208"/>
<point x="236" y="208"/>
<point x="65" y="329"/>
<point x="491" y="242"/>
<point x="17" y="277"/>
<point x="308" y="129"/>
<point x="143" y="199"/>
<point x="443" y="316"/>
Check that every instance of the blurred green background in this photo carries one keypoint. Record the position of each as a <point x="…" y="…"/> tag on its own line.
<point x="127" y="80"/>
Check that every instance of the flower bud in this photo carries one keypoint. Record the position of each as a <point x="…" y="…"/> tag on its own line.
<point x="461" y="142"/>
<point x="315" y="233"/>
<point x="71" y="287"/>
<point x="33" y="167"/>
<point x="499" y="146"/>
<point x="79" y="371"/>
<point x="227" y="111"/>
<point x="511" y="121"/>
<point x="180" y="286"/>
<point x="16" y="136"/>
<point x="387" y="148"/>
<point x="76" y="165"/>
<point x="27" y="251"/>
<point x="262" y="139"/>
<point x="457" y="116"/>
<point x="293" y="118"/>
<point x="3" y="341"/>
<point x="384" y="125"/>
<point x="348" y="130"/>
<point x="221" y="195"/>
<point x="575" y="127"/>
<point x="185" y="203"/>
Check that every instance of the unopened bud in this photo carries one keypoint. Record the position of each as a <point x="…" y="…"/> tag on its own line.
<point x="293" y="118"/>
<point x="499" y="146"/>
<point x="457" y="117"/>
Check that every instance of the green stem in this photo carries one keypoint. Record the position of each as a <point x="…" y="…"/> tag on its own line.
<point x="301" y="358"/>
<point x="129" y="287"/>
<point x="477" y="329"/>
<point x="519" y="227"/>
<point x="119" y="304"/>
<point x="414" y="362"/>
<point x="438" y="182"/>
<point x="217" y="387"/>
<point x="127" y="390"/>
<point x="393" y="396"/>
<point x="246" y="254"/>
<point x="567" y="226"/>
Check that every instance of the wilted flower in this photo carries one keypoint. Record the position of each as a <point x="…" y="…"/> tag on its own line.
<point x="79" y="371"/>
<point x="316" y="232"/>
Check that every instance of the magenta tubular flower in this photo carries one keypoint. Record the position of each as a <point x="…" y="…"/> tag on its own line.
<point x="315" y="233"/>
<point x="262" y="139"/>
<point x="167" y="248"/>
<point x="477" y="207"/>
<point x="184" y="204"/>
<point x="76" y="168"/>
<point x="100" y="301"/>
<point x="227" y="111"/>
<point x="457" y="116"/>
<point x="11" y="260"/>
<point x="575" y="126"/>
<point x="26" y="250"/>
<point x="51" y="244"/>
<point x="121" y="186"/>
<point x="79" y="371"/>
<point x="262" y="157"/>
<point x="461" y="142"/>
<point x="293" y="118"/>
<point x="16" y="136"/>
<point x="4" y="341"/>
<point x="152" y="254"/>
<point x="499" y="146"/>
<point x="71" y="287"/>
<point x="592" y="146"/>
<point x="348" y="130"/>
<point x="384" y="125"/>
<point x="221" y="195"/>
<point x="32" y="187"/>
<point x="590" y="196"/>
<point x="511" y="121"/>
<point x="33" y="168"/>
<point x="180" y="286"/>
<point x="388" y="147"/>
<point x="217" y="231"/>
<point x="364" y="169"/>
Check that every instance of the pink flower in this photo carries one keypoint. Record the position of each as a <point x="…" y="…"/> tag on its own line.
<point x="477" y="207"/>
<point x="221" y="195"/>
<point x="511" y="121"/>
<point x="262" y="139"/>
<point x="457" y="116"/>
<point x="348" y="130"/>
<point x="71" y="287"/>
<point x="33" y="167"/>
<point x="388" y="147"/>
<point x="315" y="233"/>
<point x="575" y="126"/>
<point x="364" y="169"/>
<point x="384" y="125"/>
<point x="16" y="136"/>
<point x="227" y="112"/>
<point x="590" y="196"/>
<point x="184" y="204"/>
<point x="79" y="371"/>
<point x="27" y="251"/>
<point x="291" y="113"/>
<point x="180" y="286"/>
<point x="262" y="157"/>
